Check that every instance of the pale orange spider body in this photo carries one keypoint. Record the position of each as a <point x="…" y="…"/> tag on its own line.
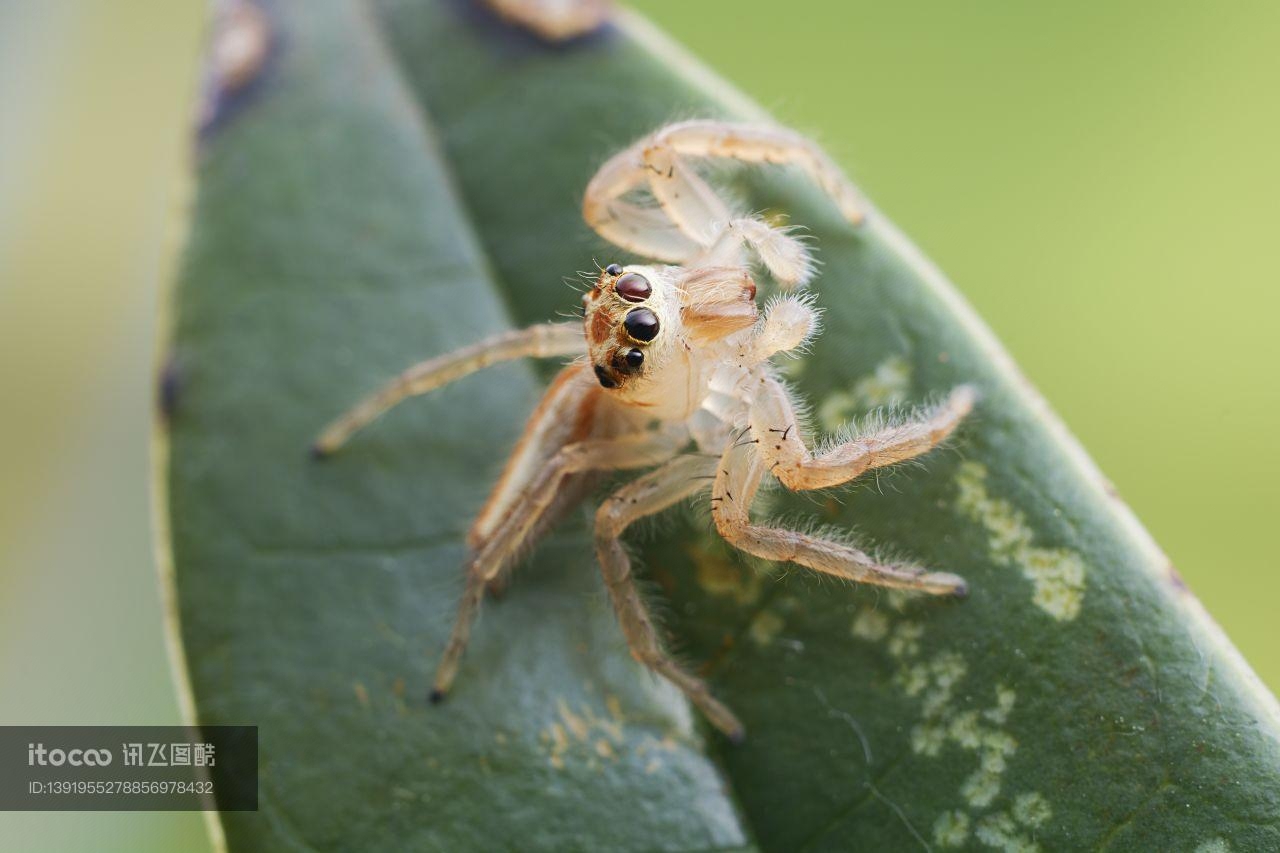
<point x="673" y="374"/>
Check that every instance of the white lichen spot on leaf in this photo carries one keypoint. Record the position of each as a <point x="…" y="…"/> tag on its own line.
<point x="888" y="385"/>
<point x="937" y="683"/>
<point x="1005" y="698"/>
<point x="870" y="624"/>
<point x="1000" y="831"/>
<point x="1214" y="845"/>
<point x="951" y="829"/>
<point x="1057" y="574"/>
<point x="1009" y="831"/>
<point x="1032" y="810"/>
<point x="904" y="640"/>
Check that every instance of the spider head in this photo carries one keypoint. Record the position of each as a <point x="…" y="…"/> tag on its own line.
<point x="630" y="315"/>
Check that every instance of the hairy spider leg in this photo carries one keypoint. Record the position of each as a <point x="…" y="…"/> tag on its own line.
<point x="648" y="495"/>
<point x="546" y="340"/>
<point x="692" y="224"/>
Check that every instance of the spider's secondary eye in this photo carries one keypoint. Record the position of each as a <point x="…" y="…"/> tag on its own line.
<point x="633" y="287"/>
<point x="614" y="269"/>
<point x="641" y="324"/>
<point x="628" y="362"/>
<point x="605" y="379"/>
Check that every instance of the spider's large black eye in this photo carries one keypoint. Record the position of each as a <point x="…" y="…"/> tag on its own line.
<point x="633" y="287"/>
<point x="641" y="324"/>
<point x="614" y="269"/>
<point x="634" y="358"/>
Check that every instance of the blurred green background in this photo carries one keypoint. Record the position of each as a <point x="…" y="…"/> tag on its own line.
<point x="1102" y="180"/>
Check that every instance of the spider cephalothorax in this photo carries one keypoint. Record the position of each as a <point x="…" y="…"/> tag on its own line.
<point x="643" y="324"/>
<point x="673" y="374"/>
<point x="624" y="317"/>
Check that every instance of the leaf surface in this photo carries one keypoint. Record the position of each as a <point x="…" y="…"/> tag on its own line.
<point x="404" y="179"/>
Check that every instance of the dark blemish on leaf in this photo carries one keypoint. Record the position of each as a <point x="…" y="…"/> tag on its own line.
<point x="436" y="696"/>
<point x="242" y="46"/>
<point x="513" y="41"/>
<point x="168" y="388"/>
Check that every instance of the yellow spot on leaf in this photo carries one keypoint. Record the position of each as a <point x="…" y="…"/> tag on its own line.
<point x="586" y="730"/>
<point x="576" y="724"/>
<point x="765" y="627"/>
<point x="719" y="575"/>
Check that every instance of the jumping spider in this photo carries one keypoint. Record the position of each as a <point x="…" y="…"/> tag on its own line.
<point x="672" y="375"/>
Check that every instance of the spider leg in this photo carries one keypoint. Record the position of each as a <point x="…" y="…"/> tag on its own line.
<point x="764" y="143"/>
<point x="691" y="203"/>
<point x="782" y="447"/>
<point x="646" y="231"/>
<point x="563" y="416"/>
<point x="688" y="200"/>
<point x="638" y="450"/>
<point x="692" y="224"/>
<point x="787" y="258"/>
<point x="541" y="341"/>
<point x="650" y="494"/>
<point x="553" y="20"/>
<point x="737" y="482"/>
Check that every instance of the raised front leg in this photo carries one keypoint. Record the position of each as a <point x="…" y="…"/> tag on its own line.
<point x="650" y="494"/>
<point x="543" y="341"/>
<point x="737" y="482"/>
<point x="774" y="426"/>
<point x="692" y="223"/>
<point x="764" y="143"/>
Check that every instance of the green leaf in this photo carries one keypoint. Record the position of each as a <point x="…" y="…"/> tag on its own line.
<point x="400" y="182"/>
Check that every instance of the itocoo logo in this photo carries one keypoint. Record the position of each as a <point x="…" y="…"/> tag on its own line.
<point x="38" y="755"/>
